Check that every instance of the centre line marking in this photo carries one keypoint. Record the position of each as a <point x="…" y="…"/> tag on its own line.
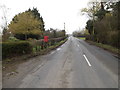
<point x="87" y="60"/>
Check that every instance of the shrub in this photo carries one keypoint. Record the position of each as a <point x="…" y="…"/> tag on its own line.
<point x="10" y="49"/>
<point x="13" y="39"/>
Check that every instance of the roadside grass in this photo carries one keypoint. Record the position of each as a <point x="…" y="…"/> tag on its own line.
<point x="106" y="47"/>
<point x="36" y="48"/>
<point x="83" y="38"/>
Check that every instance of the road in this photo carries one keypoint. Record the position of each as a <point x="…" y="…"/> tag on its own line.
<point x="75" y="64"/>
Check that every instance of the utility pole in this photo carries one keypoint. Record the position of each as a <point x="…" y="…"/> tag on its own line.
<point x="93" y="16"/>
<point x="64" y="25"/>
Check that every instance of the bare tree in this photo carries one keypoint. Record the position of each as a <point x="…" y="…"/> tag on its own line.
<point x="4" y="24"/>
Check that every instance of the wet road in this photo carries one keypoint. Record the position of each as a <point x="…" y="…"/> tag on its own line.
<point x="75" y="64"/>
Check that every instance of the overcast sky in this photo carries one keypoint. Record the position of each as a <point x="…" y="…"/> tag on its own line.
<point x="54" y="12"/>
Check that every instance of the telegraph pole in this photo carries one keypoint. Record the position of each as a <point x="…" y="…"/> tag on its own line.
<point x="64" y="29"/>
<point x="64" y="25"/>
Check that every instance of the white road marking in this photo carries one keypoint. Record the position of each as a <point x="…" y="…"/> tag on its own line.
<point x="58" y="49"/>
<point x="63" y="45"/>
<point x="87" y="60"/>
<point x="78" y="45"/>
<point x="52" y="52"/>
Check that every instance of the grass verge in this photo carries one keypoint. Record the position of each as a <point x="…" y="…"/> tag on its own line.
<point x="83" y="38"/>
<point x="106" y="47"/>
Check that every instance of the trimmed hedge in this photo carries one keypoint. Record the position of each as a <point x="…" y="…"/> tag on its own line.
<point x="10" y="49"/>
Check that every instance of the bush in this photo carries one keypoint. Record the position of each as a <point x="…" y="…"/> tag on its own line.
<point x="10" y="49"/>
<point x="13" y="39"/>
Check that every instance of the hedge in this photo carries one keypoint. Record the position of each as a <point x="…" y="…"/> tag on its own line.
<point x="51" y="41"/>
<point x="10" y="49"/>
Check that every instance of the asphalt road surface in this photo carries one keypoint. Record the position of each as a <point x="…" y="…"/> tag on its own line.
<point x="75" y="64"/>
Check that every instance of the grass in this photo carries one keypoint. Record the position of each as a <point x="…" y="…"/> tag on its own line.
<point x="83" y="38"/>
<point x="106" y="47"/>
<point x="36" y="47"/>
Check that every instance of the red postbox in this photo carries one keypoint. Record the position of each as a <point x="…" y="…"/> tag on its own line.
<point x="45" y="38"/>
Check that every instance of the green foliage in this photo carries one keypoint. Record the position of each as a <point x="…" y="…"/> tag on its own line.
<point x="116" y="14"/>
<point x="28" y="23"/>
<point x="54" y="33"/>
<point x="106" y="46"/>
<point x="36" y="14"/>
<point x="10" y="49"/>
<point x="106" y="26"/>
<point x="83" y="38"/>
<point x="27" y="36"/>
<point x="89" y="26"/>
<point x="101" y="13"/>
<point x="13" y="39"/>
<point x="79" y="33"/>
<point x="25" y="24"/>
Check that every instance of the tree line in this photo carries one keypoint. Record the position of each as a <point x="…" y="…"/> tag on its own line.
<point x="30" y="24"/>
<point x="104" y="22"/>
<point x="25" y="35"/>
